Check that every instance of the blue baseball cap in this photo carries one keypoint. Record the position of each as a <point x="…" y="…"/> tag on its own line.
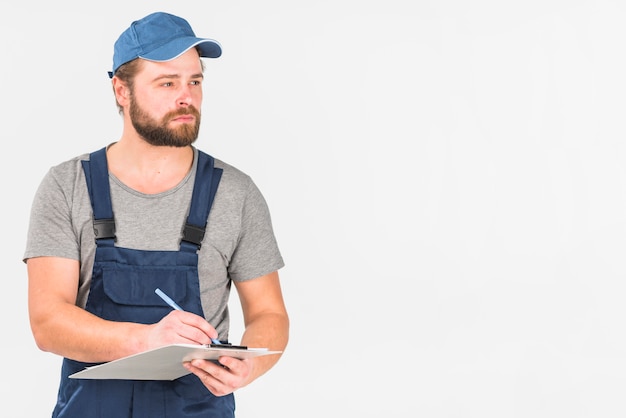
<point x="160" y="37"/>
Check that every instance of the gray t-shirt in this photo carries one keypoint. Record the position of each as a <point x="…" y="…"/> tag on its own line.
<point x="239" y="243"/>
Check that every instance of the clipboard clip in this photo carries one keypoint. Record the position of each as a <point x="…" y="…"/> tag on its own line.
<point x="228" y="345"/>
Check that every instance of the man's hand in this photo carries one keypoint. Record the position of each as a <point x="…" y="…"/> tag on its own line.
<point x="179" y="327"/>
<point x="223" y="378"/>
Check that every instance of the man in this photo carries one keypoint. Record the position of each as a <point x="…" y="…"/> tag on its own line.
<point x="152" y="211"/>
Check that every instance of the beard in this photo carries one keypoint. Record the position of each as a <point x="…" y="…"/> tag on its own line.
<point x="157" y="133"/>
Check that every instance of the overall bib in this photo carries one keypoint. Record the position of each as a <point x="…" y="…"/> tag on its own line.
<point x="122" y="289"/>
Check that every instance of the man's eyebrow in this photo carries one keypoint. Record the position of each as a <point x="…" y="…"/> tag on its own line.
<point x="178" y="76"/>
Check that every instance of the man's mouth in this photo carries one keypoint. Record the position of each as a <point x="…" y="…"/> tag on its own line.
<point x="184" y="118"/>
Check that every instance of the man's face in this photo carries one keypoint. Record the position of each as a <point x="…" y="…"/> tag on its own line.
<point x="164" y="103"/>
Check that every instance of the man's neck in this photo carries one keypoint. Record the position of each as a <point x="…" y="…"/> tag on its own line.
<point x="147" y="168"/>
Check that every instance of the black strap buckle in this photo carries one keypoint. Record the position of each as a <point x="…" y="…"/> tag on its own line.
<point x="104" y="228"/>
<point x="193" y="234"/>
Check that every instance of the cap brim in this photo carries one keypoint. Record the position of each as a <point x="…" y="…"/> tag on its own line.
<point x="207" y="48"/>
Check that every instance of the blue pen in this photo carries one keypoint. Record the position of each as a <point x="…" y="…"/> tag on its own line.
<point x="174" y="305"/>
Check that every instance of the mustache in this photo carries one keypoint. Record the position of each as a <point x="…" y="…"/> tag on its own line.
<point x="190" y="110"/>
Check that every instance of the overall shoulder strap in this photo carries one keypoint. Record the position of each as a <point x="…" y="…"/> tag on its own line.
<point x="205" y="187"/>
<point x="97" y="177"/>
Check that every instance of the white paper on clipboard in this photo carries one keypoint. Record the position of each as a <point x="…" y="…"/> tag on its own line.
<point x="165" y="363"/>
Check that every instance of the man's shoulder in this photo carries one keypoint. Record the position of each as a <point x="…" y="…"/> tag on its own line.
<point x="235" y="184"/>
<point x="69" y="168"/>
<point x="230" y="172"/>
<point x="230" y="169"/>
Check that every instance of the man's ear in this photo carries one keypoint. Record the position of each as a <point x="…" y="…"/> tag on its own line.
<point x="122" y="92"/>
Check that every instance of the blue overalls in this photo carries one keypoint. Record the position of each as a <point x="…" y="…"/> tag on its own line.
<point x="122" y="289"/>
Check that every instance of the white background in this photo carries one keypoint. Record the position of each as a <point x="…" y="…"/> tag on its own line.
<point x="446" y="181"/>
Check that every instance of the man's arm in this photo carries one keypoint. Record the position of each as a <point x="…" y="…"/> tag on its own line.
<point x="266" y="325"/>
<point x="265" y="319"/>
<point x="61" y="327"/>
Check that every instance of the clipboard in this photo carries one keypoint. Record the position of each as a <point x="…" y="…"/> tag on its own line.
<point x="165" y="363"/>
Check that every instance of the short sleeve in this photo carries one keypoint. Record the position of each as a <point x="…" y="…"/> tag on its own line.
<point x="257" y="252"/>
